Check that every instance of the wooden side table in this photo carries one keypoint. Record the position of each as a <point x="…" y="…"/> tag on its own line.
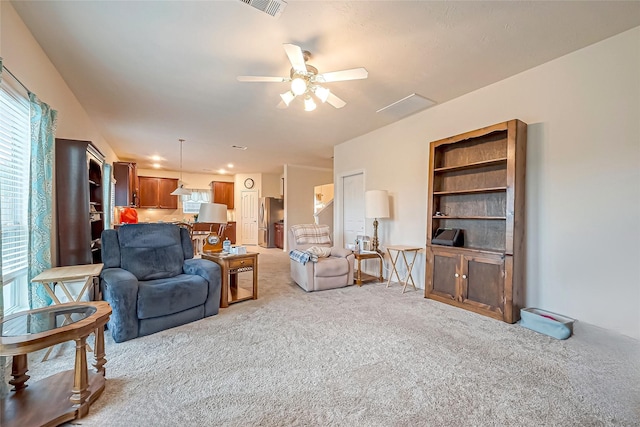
<point x="363" y="277"/>
<point x="402" y="249"/>
<point x="60" y="276"/>
<point x="231" y="266"/>
<point x="64" y="396"/>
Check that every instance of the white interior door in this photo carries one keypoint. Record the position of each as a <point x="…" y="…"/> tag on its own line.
<point x="353" y="221"/>
<point x="249" y="217"/>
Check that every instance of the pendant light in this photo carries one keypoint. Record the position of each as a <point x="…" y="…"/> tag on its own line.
<point x="180" y="191"/>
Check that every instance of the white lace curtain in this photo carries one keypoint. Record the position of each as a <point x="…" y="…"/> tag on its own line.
<point x="198" y="196"/>
<point x="191" y="203"/>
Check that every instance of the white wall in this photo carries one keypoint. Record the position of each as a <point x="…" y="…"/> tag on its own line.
<point x="24" y="57"/>
<point x="298" y="193"/>
<point x="583" y="176"/>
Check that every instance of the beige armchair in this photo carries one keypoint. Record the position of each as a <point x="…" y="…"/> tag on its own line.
<point x="334" y="271"/>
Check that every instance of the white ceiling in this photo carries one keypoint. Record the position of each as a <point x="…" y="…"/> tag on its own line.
<point x="150" y="72"/>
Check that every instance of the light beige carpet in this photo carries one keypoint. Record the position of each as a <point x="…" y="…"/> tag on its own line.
<point x="366" y="356"/>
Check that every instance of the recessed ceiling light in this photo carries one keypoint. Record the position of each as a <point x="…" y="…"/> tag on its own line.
<point x="156" y="158"/>
<point x="239" y="147"/>
<point x="222" y="171"/>
<point x="156" y="165"/>
<point x="230" y="165"/>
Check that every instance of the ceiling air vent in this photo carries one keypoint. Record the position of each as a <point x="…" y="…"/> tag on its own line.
<point x="270" y="7"/>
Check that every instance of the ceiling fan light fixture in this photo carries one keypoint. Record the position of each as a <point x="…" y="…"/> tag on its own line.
<point x="309" y="104"/>
<point x="287" y="97"/>
<point x="298" y="86"/>
<point x="322" y="93"/>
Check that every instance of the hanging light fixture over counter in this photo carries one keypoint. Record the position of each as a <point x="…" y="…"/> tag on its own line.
<point x="180" y="191"/>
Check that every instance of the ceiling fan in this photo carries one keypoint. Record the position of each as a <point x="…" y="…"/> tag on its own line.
<point x="305" y="80"/>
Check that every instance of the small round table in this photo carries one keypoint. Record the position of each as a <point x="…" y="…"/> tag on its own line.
<point x="64" y="396"/>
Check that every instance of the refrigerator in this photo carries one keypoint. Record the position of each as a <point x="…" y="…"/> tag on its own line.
<point x="270" y="211"/>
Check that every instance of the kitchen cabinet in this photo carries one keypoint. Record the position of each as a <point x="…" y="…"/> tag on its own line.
<point x="279" y="236"/>
<point x="223" y="193"/>
<point x="476" y="185"/>
<point x="156" y="192"/>
<point x="126" y="176"/>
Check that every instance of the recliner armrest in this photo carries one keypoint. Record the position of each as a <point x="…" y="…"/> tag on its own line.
<point x="211" y="272"/>
<point x="340" y="252"/>
<point x="120" y="290"/>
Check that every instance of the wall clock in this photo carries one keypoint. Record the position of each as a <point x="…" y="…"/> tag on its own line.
<point x="213" y="243"/>
<point x="248" y="183"/>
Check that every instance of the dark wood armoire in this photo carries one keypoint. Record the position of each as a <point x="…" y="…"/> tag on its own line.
<point x="79" y="202"/>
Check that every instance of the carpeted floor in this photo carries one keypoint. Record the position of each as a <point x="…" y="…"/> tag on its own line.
<point x="368" y="356"/>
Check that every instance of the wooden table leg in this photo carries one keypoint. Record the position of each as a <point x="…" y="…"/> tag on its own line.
<point x="19" y="370"/>
<point x="224" y="292"/>
<point x="409" y="268"/>
<point x="233" y="286"/>
<point x="80" y="390"/>
<point x="255" y="280"/>
<point x="393" y="265"/>
<point x="98" y="352"/>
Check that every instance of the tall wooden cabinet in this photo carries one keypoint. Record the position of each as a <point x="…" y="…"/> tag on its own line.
<point x="80" y="208"/>
<point x="126" y="176"/>
<point x="477" y="184"/>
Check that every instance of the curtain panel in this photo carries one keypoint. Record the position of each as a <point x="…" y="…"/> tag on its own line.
<point x="43" y="125"/>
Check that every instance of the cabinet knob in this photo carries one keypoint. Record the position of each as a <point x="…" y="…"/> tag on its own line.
<point x="464" y="276"/>
<point x="456" y="275"/>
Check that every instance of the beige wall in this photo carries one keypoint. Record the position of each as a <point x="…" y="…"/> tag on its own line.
<point x="299" y="182"/>
<point x="583" y="176"/>
<point x="24" y="57"/>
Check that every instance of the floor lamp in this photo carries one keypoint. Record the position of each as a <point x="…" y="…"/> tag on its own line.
<point x="376" y="205"/>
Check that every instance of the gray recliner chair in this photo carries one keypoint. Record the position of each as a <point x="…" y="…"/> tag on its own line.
<point x="334" y="271"/>
<point x="151" y="281"/>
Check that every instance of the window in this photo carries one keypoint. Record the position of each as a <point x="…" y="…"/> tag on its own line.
<point x="14" y="192"/>
<point x="191" y="203"/>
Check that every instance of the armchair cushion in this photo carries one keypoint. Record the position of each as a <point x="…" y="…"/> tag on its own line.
<point x="160" y="297"/>
<point x="311" y="234"/>
<point x="151" y="252"/>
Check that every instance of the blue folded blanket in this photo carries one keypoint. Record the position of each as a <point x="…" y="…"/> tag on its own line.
<point x="299" y="256"/>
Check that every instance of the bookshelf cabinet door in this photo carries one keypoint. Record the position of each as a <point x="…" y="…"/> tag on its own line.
<point x="483" y="284"/>
<point x="443" y="272"/>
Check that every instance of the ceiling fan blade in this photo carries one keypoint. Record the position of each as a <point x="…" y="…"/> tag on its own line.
<point x="261" y="79"/>
<point x="337" y="76"/>
<point x="296" y="57"/>
<point x="335" y="101"/>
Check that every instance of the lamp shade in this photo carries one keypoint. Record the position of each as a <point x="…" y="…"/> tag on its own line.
<point x="213" y="212"/>
<point x="181" y="191"/>
<point x="376" y="204"/>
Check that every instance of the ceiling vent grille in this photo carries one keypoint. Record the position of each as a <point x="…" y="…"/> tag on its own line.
<point x="270" y="7"/>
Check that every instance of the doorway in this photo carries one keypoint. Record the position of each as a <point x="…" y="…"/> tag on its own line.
<point x="249" y="217"/>
<point x="352" y="206"/>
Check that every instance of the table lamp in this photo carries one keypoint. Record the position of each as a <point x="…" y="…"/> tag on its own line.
<point x="376" y="205"/>
<point x="213" y="213"/>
